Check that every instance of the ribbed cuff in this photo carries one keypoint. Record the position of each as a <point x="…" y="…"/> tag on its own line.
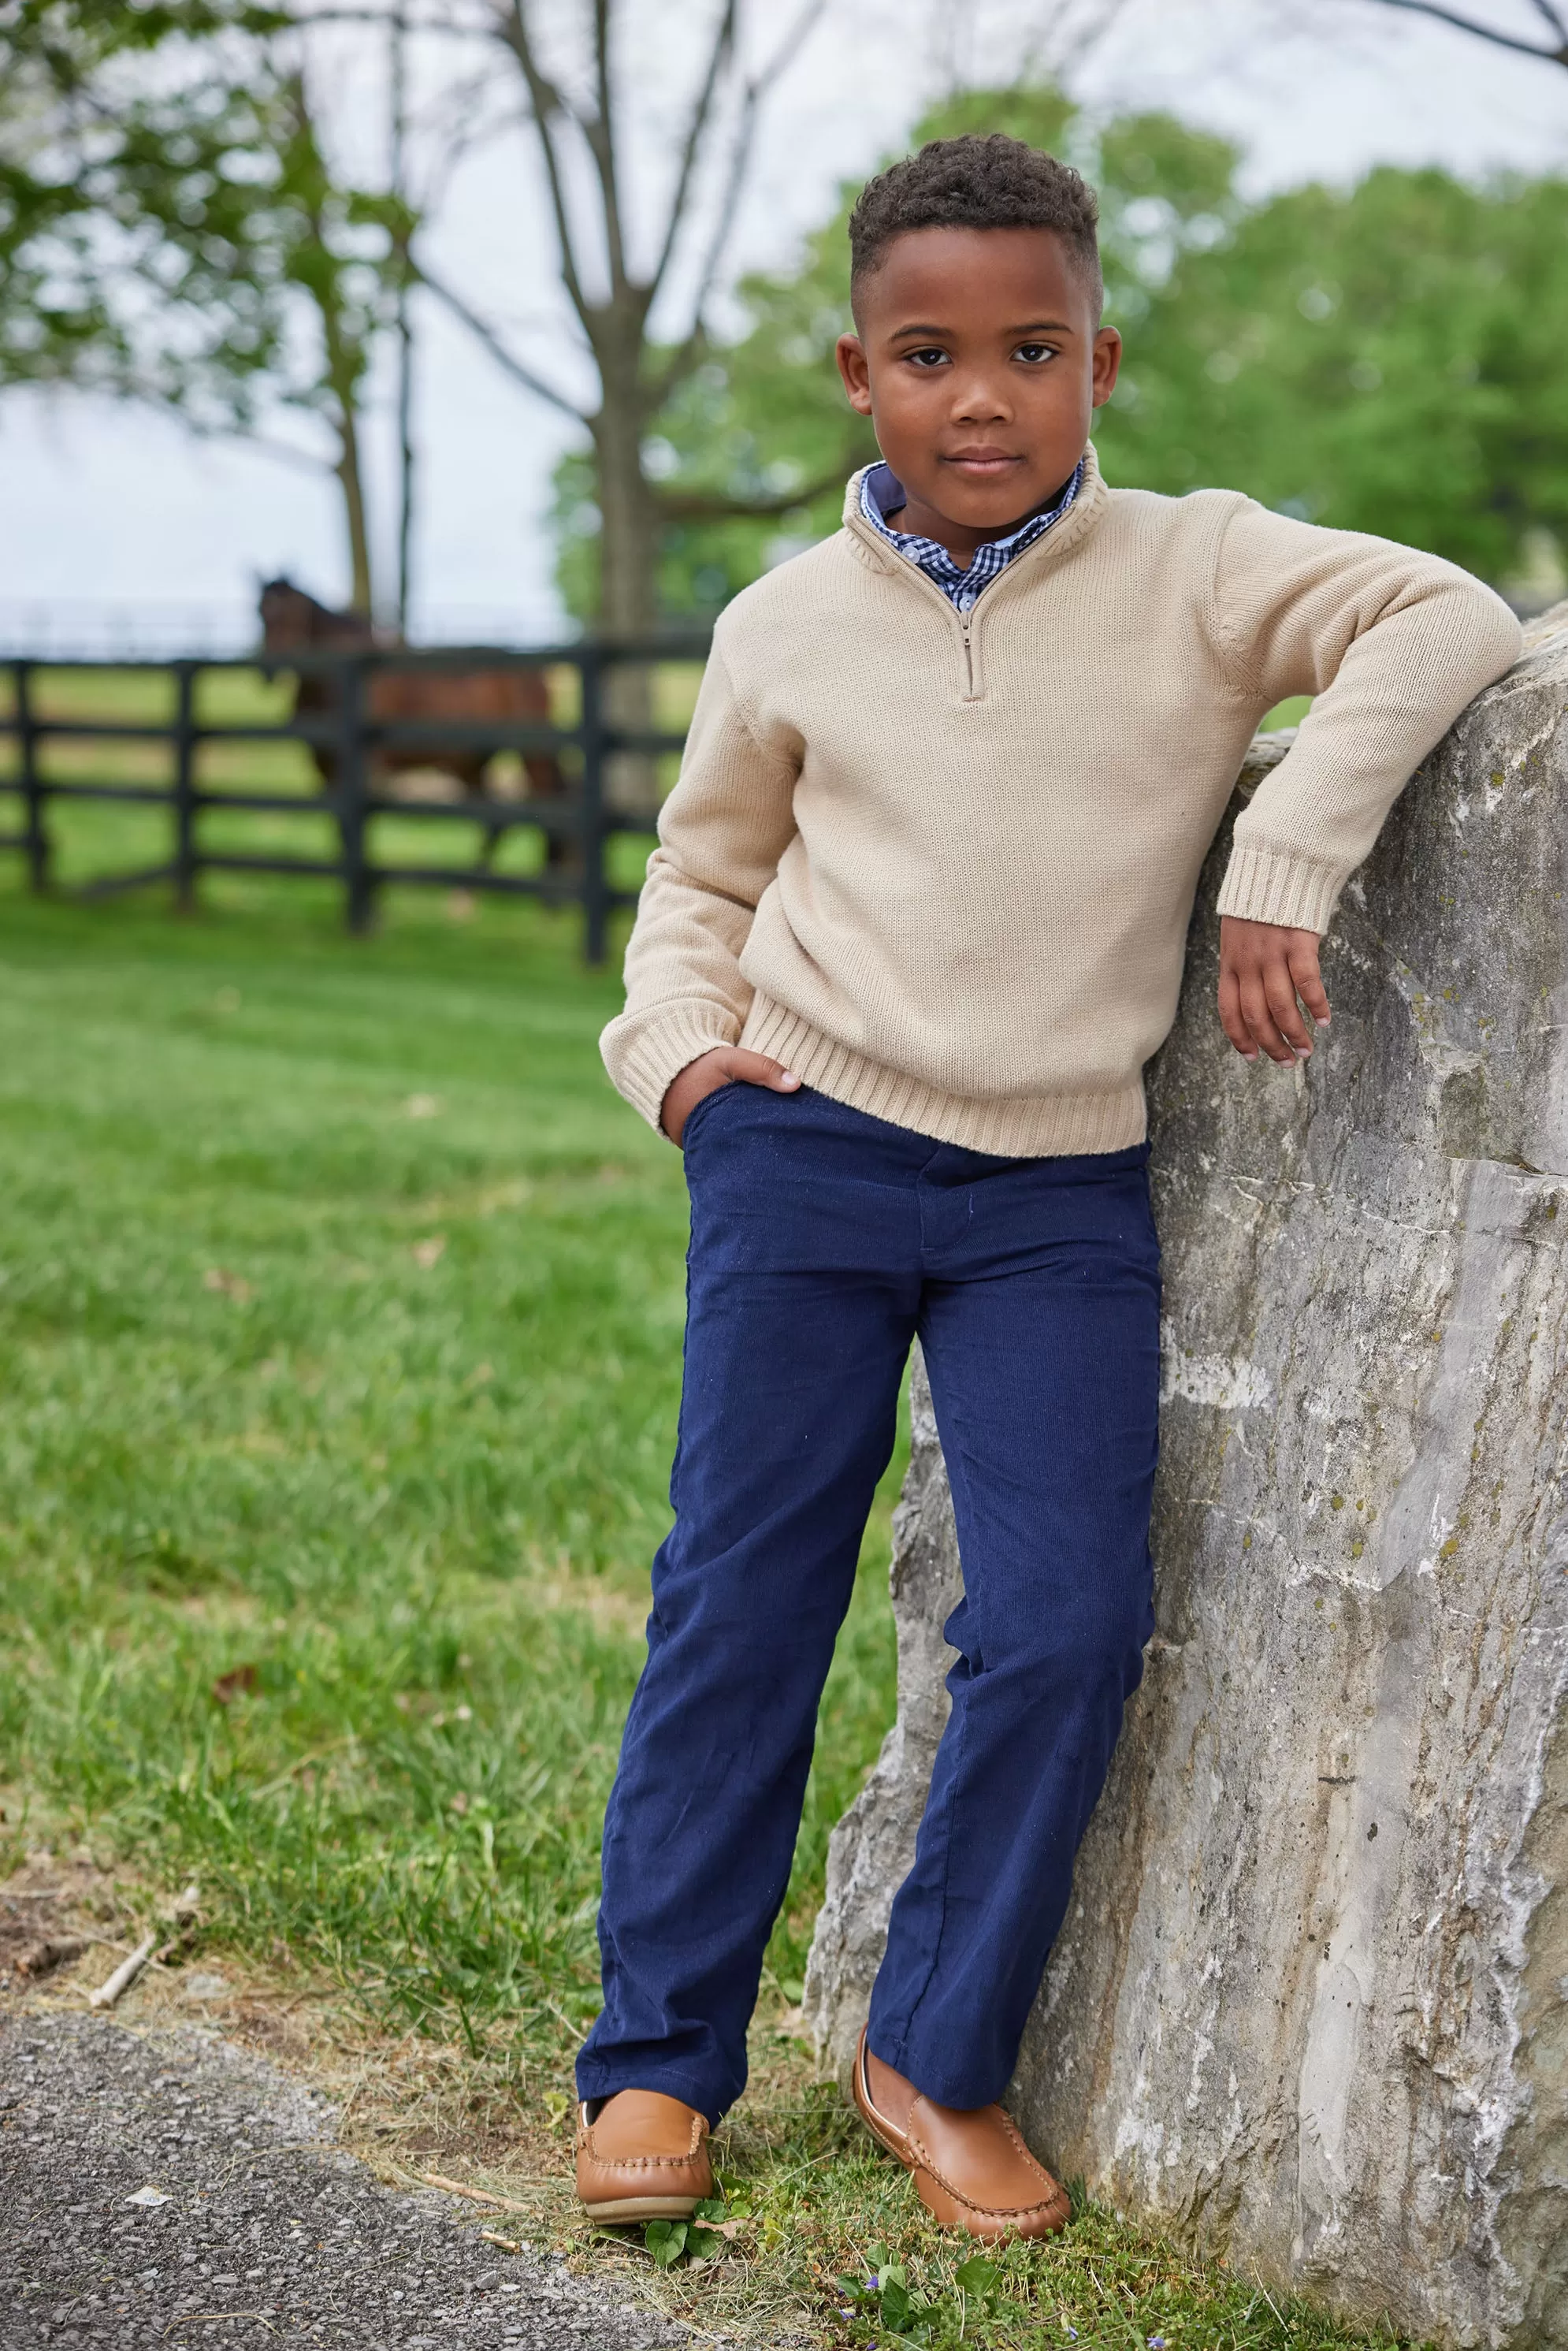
<point x="645" y="1052"/>
<point x="1266" y="885"/>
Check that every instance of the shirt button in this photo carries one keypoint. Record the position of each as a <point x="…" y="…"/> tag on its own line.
<point x="967" y="601"/>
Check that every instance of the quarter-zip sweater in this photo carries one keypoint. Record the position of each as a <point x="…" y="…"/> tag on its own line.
<point x="941" y="864"/>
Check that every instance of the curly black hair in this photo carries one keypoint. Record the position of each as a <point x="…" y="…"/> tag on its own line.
<point x="979" y="180"/>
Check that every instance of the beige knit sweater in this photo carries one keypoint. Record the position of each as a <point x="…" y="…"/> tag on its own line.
<point x="942" y="867"/>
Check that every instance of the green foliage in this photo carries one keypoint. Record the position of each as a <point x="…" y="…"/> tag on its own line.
<point x="1380" y="359"/>
<point x="169" y="228"/>
<point x="672" y="2241"/>
<point x="1385" y="359"/>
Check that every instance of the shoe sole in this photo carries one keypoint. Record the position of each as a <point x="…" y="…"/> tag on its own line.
<point x="645" y="2207"/>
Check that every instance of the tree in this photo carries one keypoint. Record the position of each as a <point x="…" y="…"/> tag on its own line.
<point x="96" y="158"/>
<point x="171" y="231"/>
<point x="345" y="251"/>
<point x="1385" y="359"/>
<point x="616" y="274"/>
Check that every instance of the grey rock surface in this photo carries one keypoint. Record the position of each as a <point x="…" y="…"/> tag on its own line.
<point x="1311" y="2000"/>
<point x="257" y="2229"/>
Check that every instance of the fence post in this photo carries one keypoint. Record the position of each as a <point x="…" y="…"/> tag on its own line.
<point x="359" y="882"/>
<point x="595" y="894"/>
<point x="35" y="831"/>
<point x="185" y="862"/>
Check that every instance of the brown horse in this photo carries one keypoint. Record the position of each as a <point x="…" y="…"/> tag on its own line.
<point x="293" y="622"/>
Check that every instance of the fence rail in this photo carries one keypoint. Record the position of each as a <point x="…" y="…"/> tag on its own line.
<point x="585" y="815"/>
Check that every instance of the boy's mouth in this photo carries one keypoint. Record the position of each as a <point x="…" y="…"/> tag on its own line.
<point x="983" y="465"/>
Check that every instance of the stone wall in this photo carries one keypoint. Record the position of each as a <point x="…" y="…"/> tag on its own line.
<point x="1312" y="2002"/>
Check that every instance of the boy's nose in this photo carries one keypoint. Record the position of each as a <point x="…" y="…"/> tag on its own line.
<point x="980" y="398"/>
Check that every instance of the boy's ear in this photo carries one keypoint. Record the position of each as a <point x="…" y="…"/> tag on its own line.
<point x="855" y="370"/>
<point x="1106" y="362"/>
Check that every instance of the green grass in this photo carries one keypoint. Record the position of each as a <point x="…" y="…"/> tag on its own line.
<point x="373" y="1407"/>
<point x="341" y="1307"/>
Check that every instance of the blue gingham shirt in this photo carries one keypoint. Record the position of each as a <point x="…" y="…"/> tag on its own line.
<point x="882" y="493"/>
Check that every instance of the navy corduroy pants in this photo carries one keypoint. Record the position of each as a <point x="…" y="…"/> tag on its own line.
<point x="823" y="1242"/>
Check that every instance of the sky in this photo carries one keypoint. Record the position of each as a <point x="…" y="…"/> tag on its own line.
<point x="118" y="528"/>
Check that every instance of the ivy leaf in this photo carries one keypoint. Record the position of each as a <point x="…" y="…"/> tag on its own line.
<point x="976" y="2276"/>
<point x="666" y="2241"/>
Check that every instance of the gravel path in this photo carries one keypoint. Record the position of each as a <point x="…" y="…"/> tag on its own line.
<point x="171" y="2190"/>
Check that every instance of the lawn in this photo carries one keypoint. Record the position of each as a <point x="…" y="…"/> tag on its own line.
<point x="341" y="1310"/>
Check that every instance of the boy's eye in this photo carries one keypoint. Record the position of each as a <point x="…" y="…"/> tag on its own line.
<point x="1033" y="354"/>
<point x="933" y="356"/>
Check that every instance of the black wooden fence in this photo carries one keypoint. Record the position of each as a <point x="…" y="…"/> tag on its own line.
<point x="582" y="815"/>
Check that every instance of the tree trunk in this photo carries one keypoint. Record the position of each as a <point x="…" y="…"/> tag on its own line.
<point x="628" y="586"/>
<point x="348" y="475"/>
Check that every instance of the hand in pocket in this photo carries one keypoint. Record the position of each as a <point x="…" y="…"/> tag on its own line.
<point x="725" y="1065"/>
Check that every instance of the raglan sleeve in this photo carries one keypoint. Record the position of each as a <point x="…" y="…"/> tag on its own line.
<point x="722" y="832"/>
<point x="1393" y="644"/>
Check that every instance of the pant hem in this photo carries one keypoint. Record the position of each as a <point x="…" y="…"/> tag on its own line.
<point x="943" y="2088"/>
<point x="608" y="2083"/>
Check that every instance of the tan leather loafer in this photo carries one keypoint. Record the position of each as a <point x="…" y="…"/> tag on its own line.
<point x="643" y="2157"/>
<point x="972" y="2171"/>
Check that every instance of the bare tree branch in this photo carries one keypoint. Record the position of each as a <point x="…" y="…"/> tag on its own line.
<point x="1555" y="56"/>
<point x="599" y="131"/>
<point x="1058" y="47"/>
<point x="702" y="110"/>
<point x="718" y="506"/>
<point x="483" y="332"/>
<point x="688" y="354"/>
<point x="547" y="103"/>
<point x="263" y="444"/>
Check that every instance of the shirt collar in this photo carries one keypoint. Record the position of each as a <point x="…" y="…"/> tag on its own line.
<point x="883" y="492"/>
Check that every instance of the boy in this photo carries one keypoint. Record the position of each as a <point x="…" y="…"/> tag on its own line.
<point x="915" y="921"/>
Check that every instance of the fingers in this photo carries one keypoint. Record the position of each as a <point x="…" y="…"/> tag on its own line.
<point x="1267" y="974"/>
<point x="1279" y="996"/>
<point x="756" y="1070"/>
<point x="719" y="1066"/>
<point x="1308" y="980"/>
<point x="1231" y="1018"/>
<point x="687" y="1088"/>
<point x="1260" y="1022"/>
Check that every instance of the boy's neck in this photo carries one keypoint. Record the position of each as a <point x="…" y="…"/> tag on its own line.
<point x="962" y="540"/>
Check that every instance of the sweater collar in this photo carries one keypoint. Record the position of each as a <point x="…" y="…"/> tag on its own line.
<point x="1076" y="524"/>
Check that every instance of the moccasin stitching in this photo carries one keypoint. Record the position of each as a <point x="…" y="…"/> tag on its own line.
<point x="923" y="2157"/>
<point x="990" y="2211"/>
<point x="640" y="2162"/>
<point x="1014" y="2139"/>
<point x="699" y="2132"/>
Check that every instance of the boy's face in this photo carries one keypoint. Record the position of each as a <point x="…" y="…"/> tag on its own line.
<point x="980" y="366"/>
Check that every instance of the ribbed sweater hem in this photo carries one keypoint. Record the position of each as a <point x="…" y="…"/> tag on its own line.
<point x="1041" y="1126"/>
